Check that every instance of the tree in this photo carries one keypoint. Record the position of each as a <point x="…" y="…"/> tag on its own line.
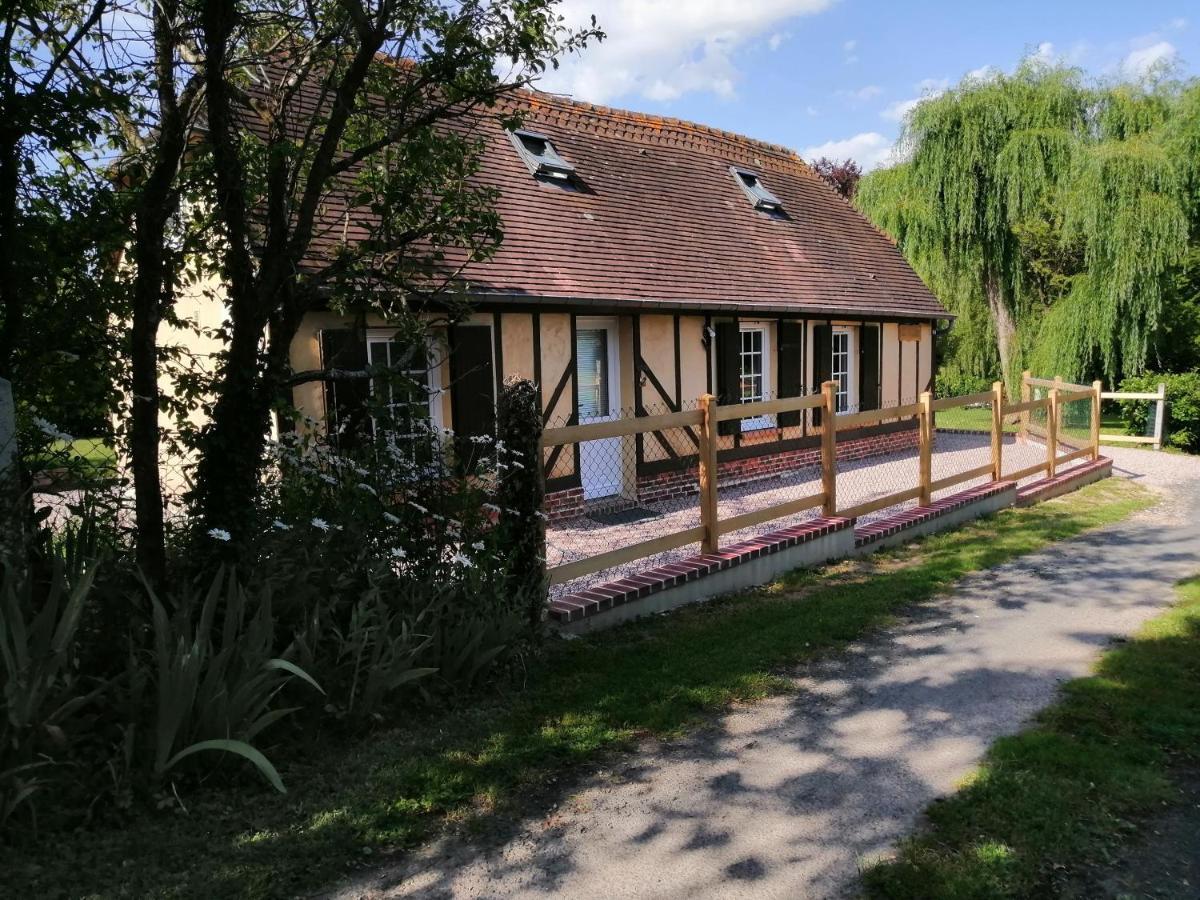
<point x="1057" y="209"/>
<point x="363" y="108"/>
<point x="842" y="175"/>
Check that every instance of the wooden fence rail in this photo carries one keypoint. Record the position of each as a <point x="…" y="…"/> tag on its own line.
<point x="710" y="413"/>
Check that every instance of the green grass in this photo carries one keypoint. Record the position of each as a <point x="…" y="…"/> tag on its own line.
<point x="970" y="418"/>
<point x="585" y="698"/>
<point x="91" y="456"/>
<point x="1060" y="797"/>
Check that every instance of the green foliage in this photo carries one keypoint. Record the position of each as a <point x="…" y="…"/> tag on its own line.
<point x="45" y="696"/>
<point x="1069" y="791"/>
<point x="216" y="679"/>
<point x="1183" y="408"/>
<point x="1061" y="212"/>
<point x="521" y="491"/>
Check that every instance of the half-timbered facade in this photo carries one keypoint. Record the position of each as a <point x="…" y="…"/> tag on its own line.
<point x="646" y="262"/>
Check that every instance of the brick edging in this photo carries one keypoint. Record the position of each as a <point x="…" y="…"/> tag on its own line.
<point x="910" y="518"/>
<point x="581" y="604"/>
<point x="1047" y="488"/>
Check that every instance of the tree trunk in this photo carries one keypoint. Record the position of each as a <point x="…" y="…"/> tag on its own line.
<point x="1006" y="331"/>
<point x="143" y="426"/>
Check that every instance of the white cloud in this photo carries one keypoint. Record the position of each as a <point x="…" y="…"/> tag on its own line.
<point x="1178" y="24"/>
<point x="812" y="110"/>
<point x="930" y="87"/>
<point x="662" y="49"/>
<point x="1044" y="55"/>
<point x="869" y="149"/>
<point x="984" y="73"/>
<point x="776" y="40"/>
<point x="862" y="94"/>
<point x="1142" y="62"/>
<point x="850" y="46"/>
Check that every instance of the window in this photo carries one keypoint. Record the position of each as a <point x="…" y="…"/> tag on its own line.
<point x="840" y="370"/>
<point x="540" y="156"/>
<point x="752" y="185"/>
<point x="755" y="372"/>
<point x="410" y="391"/>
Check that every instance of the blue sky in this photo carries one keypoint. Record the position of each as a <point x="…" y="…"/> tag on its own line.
<point x="834" y="77"/>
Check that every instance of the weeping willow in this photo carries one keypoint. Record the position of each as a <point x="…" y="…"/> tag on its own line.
<point x="1012" y="177"/>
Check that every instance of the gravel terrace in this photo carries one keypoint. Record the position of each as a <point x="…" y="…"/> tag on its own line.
<point x="786" y="798"/>
<point x="859" y="481"/>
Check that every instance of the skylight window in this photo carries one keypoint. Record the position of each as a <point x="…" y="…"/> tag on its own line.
<point x="541" y="157"/>
<point x="756" y="190"/>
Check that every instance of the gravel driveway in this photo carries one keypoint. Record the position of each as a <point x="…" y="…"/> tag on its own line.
<point x="786" y="798"/>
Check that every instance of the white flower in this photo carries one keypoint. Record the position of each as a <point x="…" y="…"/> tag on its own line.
<point x="282" y="526"/>
<point x="491" y="507"/>
<point x="363" y="486"/>
<point x="51" y="431"/>
<point x="478" y="545"/>
<point x="388" y="517"/>
<point x="320" y="523"/>
<point x="399" y="553"/>
<point x="418" y="507"/>
<point x="219" y="533"/>
<point x="328" y="479"/>
<point x="462" y="560"/>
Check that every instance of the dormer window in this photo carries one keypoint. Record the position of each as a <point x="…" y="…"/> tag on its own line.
<point x="541" y="157"/>
<point x="756" y="191"/>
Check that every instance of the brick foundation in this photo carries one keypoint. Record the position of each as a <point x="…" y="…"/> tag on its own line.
<point x="569" y="503"/>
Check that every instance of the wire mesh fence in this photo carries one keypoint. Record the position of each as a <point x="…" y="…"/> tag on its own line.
<point x="618" y="491"/>
<point x="879" y="461"/>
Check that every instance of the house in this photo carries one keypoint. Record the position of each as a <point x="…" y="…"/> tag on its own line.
<point x="648" y="261"/>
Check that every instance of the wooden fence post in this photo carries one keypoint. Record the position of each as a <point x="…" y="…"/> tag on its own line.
<point x="925" y="443"/>
<point x="997" y="430"/>
<point x="829" y="449"/>
<point x="1052" y="434"/>
<point x="1161" y="417"/>
<point x="1097" y="388"/>
<point x="1026" y="396"/>
<point x="708" y="474"/>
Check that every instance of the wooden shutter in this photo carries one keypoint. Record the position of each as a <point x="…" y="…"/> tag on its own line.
<point x="729" y="372"/>
<point x="822" y="361"/>
<point x="868" y="367"/>
<point x="791" y="375"/>
<point x="346" y="399"/>
<point x="472" y="390"/>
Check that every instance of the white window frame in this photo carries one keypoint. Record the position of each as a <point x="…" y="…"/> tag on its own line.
<point x="845" y="399"/>
<point x="434" y="361"/>
<point x="757" y="423"/>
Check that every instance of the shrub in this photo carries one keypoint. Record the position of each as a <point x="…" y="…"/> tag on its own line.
<point x="1183" y="408"/>
<point x="956" y="384"/>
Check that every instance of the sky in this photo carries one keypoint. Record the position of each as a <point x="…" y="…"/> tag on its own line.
<point x="835" y="77"/>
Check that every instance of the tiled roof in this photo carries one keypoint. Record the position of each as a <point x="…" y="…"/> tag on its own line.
<point x="659" y="219"/>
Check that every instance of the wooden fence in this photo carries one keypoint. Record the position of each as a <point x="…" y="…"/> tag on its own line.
<point x="710" y="414"/>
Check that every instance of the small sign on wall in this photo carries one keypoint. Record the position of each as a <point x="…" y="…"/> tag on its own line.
<point x="910" y="332"/>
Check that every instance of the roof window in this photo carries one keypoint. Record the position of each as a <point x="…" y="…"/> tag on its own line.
<point x="756" y="191"/>
<point x="541" y="157"/>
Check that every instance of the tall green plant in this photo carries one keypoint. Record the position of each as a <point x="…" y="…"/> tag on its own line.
<point x="216" y="685"/>
<point x="1048" y="214"/>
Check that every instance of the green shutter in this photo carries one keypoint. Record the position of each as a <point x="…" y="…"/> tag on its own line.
<point x="472" y="389"/>
<point x="729" y="372"/>
<point x="868" y="367"/>
<point x="822" y="361"/>
<point x="346" y="414"/>
<point x="791" y="375"/>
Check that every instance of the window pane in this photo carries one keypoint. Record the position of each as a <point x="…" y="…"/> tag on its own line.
<point x="591" y="367"/>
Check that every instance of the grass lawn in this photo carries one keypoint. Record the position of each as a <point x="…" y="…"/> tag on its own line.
<point x="353" y="803"/>
<point x="82" y="455"/>
<point x="1060" y="798"/>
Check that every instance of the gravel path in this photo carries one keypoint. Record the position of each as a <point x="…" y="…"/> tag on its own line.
<point x="786" y="798"/>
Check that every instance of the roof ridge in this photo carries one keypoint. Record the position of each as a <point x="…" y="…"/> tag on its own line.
<point x="538" y="98"/>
